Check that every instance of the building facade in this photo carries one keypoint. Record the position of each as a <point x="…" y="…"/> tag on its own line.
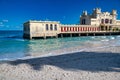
<point x="105" y="20"/>
<point x="41" y="29"/>
<point x="97" y="22"/>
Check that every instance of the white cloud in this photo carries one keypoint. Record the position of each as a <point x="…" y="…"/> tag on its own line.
<point x="5" y="20"/>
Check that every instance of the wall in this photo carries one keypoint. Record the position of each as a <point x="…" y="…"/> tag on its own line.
<point x="38" y="29"/>
<point x="118" y="22"/>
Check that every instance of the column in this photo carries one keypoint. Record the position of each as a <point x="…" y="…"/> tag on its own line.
<point x="61" y="35"/>
<point x="70" y="35"/>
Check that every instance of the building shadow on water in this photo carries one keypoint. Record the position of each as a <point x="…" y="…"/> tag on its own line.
<point x="87" y="61"/>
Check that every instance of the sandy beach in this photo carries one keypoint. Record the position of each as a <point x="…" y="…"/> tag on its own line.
<point x="95" y="64"/>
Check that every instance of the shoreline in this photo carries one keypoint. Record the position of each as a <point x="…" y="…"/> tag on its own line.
<point x="62" y="53"/>
<point x="95" y="64"/>
<point x="74" y="48"/>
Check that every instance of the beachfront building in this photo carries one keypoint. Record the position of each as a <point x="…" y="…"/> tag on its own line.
<point x="104" y="20"/>
<point x="43" y="29"/>
<point x="97" y="23"/>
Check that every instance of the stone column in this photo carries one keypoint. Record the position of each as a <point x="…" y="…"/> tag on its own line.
<point x="30" y="36"/>
<point x="87" y="34"/>
<point x="110" y="34"/>
<point x="44" y="36"/>
<point x="61" y="35"/>
<point x="104" y="34"/>
<point x="71" y="35"/>
<point x="56" y="35"/>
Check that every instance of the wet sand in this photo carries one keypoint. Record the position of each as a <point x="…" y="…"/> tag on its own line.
<point x="91" y="64"/>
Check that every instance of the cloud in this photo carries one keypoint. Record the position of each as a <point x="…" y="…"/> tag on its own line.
<point x="5" y="20"/>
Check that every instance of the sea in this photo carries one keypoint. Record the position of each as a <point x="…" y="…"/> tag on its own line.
<point x="13" y="46"/>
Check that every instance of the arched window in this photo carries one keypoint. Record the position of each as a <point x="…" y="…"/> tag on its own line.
<point x="102" y="21"/>
<point x="106" y="21"/>
<point x="51" y="27"/>
<point x="106" y="28"/>
<point x="83" y="21"/>
<point x="47" y="28"/>
<point x="110" y="27"/>
<point x="55" y="27"/>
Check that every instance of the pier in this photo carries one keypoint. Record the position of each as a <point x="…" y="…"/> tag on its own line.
<point x="100" y="33"/>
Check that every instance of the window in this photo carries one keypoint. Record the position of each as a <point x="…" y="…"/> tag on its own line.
<point x="83" y="21"/>
<point x="106" y="20"/>
<point x="47" y="27"/>
<point x="55" y="27"/>
<point x="51" y="27"/>
<point x="102" y="21"/>
<point x="110" y="27"/>
<point x="102" y="28"/>
<point x="111" y="21"/>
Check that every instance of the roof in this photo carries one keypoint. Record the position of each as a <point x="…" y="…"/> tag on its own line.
<point x="35" y="21"/>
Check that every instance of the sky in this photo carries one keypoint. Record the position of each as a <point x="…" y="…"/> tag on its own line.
<point x="13" y="13"/>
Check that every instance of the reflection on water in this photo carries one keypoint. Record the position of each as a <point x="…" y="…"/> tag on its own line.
<point x="14" y="48"/>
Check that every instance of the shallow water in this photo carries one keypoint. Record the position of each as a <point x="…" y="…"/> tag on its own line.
<point x="13" y="46"/>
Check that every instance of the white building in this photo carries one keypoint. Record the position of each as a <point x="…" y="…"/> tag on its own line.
<point x="97" y="22"/>
<point x="98" y="18"/>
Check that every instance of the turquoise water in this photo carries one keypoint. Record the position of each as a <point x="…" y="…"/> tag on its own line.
<point x="13" y="46"/>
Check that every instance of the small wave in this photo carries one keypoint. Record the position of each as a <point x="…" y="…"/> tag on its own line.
<point x="4" y="59"/>
<point x="112" y="38"/>
<point x="12" y="37"/>
<point x="92" y="37"/>
<point x="105" y="40"/>
<point x="8" y="59"/>
<point x="118" y="36"/>
<point x="19" y="39"/>
<point x="103" y="36"/>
